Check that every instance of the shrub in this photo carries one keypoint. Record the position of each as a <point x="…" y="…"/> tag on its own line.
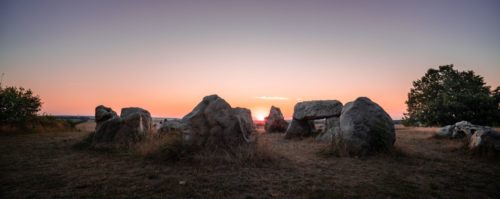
<point x="18" y="105"/>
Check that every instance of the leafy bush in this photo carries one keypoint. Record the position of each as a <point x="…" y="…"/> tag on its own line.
<point x="18" y="105"/>
<point x="446" y="96"/>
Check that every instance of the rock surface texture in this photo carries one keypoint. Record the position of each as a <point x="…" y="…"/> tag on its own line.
<point x="275" y="122"/>
<point x="481" y="139"/>
<point x="311" y="110"/>
<point x="213" y="123"/>
<point x="365" y="128"/>
<point x="132" y="126"/>
<point x="460" y="130"/>
<point x="485" y="141"/>
<point x="102" y="114"/>
<point x="317" y="109"/>
<point x="245" y="118"/>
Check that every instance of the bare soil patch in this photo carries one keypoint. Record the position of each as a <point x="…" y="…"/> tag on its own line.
<point x="46" y="165"/>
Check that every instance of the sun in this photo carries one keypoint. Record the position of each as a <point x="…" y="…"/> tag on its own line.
<point x="260" y="116"/>
<point x="259" y="113"/>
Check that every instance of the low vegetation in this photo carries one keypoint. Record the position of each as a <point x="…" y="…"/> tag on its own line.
<point x="169" y="149"/>
<point x="18" y="113"/>
<point x="47" y="166"/>
<point x="38" y="124"/>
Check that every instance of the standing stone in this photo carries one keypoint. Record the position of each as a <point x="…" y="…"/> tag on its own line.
<point x="212" y="123"/>
<point x="332" y="130"/>
<point x="365" y="128"/>
<point x="102" y="114"/>
<point x="245" y="117"/>
<point x="312" y="110"/>
<point x="133" y="125"/>
<point x="275" y="122"/>
<point x="137" y="118"/>
<point x="298" y="129"/>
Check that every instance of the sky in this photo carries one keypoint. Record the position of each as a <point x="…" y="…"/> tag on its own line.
<point x="165" y="56"/>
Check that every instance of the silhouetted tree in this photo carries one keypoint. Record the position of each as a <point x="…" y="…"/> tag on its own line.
<point x="18" y="104"/>
<point x="446" y="96"/>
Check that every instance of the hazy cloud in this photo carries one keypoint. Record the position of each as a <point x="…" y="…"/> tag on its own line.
<point x="272" y="98"/>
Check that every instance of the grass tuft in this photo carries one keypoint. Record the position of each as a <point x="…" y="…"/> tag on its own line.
<point x="169" y="149"/>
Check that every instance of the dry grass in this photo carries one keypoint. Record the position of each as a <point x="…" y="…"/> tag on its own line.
<point x="169" y="149"/>
<point x="46" y="166"/>
<point x="41" y="126"/>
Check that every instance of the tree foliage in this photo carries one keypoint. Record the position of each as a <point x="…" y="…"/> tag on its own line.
<point x="445" y="96"/>
<point x="18" y="105"/>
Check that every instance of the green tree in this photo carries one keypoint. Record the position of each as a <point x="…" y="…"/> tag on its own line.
<point x="18" y="105"/>
<point x="445" y="96"/>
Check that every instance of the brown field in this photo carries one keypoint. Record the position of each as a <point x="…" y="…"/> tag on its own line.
<point x="45" y="165"/>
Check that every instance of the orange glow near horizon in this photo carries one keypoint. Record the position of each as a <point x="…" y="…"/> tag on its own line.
<point x="83" y="102"/>
<point x="259" y="115"/>
<point x="165" y="56"/>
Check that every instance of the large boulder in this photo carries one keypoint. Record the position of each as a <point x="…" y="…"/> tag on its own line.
<point x="465" y="129"/>
<point x="312" y="110"/>
<point x="298" y="129"/>
<point x="446" y="131"/>
<point x="102" y="114"/>
<point x="275" y="122"/>
<point x="481" y="139"/>
<point x="317" y="109"/>
<point x="137" y="118"/>
<point x="485" y="141"/>
<point x="462" y="129"/>
<point x="332" y="130"/>
<point x="133" y="126"/>
<point x="212" y="123"/>
<point x="244" y="116"/>
<point x="365" y="128"/>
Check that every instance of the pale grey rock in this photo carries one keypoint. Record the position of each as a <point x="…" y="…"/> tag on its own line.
<point x="446" y="131"/>
<point x="461" y="129"/>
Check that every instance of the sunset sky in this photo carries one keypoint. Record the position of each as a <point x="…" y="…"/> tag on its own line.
<point x="165" y="56"/>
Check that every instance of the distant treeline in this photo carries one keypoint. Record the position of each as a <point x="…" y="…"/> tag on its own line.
<point x="74" y="119"/>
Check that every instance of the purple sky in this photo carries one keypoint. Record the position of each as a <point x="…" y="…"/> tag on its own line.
<point x="166" y="55"/>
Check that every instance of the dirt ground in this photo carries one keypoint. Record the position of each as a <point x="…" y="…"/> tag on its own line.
<point x="45" y="165"/>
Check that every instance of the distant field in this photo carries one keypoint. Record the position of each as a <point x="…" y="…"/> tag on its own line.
<point x="45" y="166"/>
